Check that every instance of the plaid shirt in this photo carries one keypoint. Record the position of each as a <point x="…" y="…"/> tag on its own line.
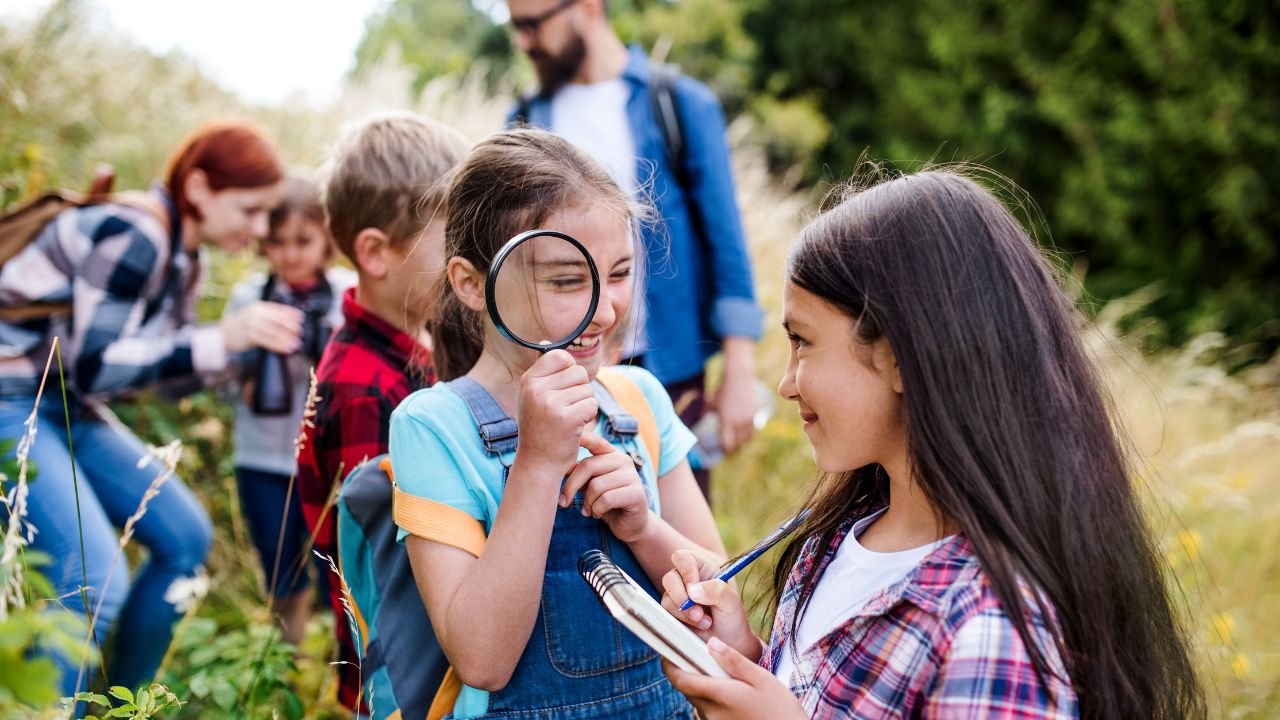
<point x="133" y="290"/>
<point x="935" y="645"/>
<point x="368" y="367"/>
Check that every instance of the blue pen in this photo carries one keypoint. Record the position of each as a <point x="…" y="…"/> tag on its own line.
<point x="737" y="565"/>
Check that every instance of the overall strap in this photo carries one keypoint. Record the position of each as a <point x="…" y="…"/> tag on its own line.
<point x="632" y="399"/>
<point x="497" y="429"/>
<point x="500" y="434"/>
<point x="619" y="422"/>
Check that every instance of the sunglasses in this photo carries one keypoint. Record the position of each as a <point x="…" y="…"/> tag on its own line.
<point x="530" y="25"/>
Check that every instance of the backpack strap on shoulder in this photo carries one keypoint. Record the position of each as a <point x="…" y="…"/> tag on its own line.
<point x="497" y="429"/>
<point x="662" y="95"/>
<point x="617" y="421"/>
<point x="622" y="390"/>
<point x="521" y="117"/>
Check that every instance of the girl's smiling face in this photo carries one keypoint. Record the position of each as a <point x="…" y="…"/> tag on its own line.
<point x="297" y="249"/>
<point x="849" y="393"/>
<point x="562" y="283"/>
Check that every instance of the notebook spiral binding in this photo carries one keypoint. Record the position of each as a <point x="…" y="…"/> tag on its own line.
<point x="600" y="572"/>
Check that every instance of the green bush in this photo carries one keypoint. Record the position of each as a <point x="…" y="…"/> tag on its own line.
<point x="1148" y="131"/>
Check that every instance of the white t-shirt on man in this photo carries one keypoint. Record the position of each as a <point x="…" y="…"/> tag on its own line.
<point x="593" y="116"/>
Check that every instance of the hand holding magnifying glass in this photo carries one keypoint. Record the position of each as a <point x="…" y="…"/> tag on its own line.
<point x="541" y="293"/>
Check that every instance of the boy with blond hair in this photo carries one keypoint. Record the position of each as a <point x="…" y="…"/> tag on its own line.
<point x="384" y="193"/>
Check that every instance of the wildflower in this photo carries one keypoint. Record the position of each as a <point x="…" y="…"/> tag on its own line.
<point x="1241" y="480"/>
<point x="1240" y="666"/>
<point x="1224" y="625"/>
<point x="1190" y="542"/>
<point x="184" y="593"/>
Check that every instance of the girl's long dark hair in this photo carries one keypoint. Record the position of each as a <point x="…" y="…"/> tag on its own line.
<point x="1009" y="430"/>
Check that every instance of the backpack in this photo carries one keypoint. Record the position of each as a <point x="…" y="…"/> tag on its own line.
<point x="19" y="228"/>
<point x="403" y="666"/>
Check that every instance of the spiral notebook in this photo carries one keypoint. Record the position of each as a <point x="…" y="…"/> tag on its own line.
<point x="630" y="605"/>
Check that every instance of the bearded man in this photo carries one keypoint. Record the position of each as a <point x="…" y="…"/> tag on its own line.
<point x="698" y="292"/>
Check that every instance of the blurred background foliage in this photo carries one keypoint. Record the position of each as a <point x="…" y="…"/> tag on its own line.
<point x="1147" y="132"/>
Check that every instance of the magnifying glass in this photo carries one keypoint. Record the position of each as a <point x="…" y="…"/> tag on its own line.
<point x="542" y="290"/>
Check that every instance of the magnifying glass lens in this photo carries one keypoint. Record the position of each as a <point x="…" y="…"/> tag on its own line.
<point x="544" y="291"/>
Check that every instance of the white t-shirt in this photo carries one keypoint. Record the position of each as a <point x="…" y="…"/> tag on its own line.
<point x="593" y="116"/>
<point x="854" y="576"/>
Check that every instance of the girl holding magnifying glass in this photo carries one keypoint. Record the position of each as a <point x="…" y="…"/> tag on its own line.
<point x="494" y="532"/>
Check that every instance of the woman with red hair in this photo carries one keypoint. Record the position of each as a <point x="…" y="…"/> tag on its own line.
<point x="129" y="272"/>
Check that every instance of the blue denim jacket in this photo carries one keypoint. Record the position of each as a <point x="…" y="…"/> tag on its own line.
<point x="700" y="289"/>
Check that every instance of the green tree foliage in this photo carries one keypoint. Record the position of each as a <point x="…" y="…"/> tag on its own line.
<point x="433" y="38"/>
<point x="708" y="40"/>
<point x="1147" y="130"/>
<point x="70" y="99"/>
<point x="705" y="37"/>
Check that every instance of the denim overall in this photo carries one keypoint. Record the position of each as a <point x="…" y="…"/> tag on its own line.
<point x="579" y="663"/>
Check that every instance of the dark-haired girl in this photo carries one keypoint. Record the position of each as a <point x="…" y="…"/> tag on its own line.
<point x="976" y="548"/>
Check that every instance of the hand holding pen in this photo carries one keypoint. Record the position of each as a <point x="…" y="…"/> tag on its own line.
<point x="745" y="559"/>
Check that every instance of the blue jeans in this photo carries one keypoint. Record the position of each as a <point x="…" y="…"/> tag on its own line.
<point x="111" y="483"/>
<point x="285" y="556"/>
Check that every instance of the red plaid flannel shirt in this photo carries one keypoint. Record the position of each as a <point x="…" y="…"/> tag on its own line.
<point x="938" y="644"/>
<point x="367" y="369"/>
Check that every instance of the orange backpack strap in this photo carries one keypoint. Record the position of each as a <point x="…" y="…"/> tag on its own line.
<point x="446" y="697"/>
<point x="632" y="399"/>
<point x="434" y="521"/>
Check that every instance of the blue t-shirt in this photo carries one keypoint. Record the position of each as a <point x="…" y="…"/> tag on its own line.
<point x="437" y="454"/>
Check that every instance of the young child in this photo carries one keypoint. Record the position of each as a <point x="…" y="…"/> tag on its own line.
<point x="976" y="549"/>
<point x="384" y="200"/>
<point x="268" y="412"/>
<point x="523" y="633"/>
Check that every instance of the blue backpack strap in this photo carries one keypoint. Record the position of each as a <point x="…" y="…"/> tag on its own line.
<point x="497" y="429"/>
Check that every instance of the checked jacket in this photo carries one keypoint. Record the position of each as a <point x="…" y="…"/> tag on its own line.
<point x="368" y="367"/>
<point x="938" y="644"/>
